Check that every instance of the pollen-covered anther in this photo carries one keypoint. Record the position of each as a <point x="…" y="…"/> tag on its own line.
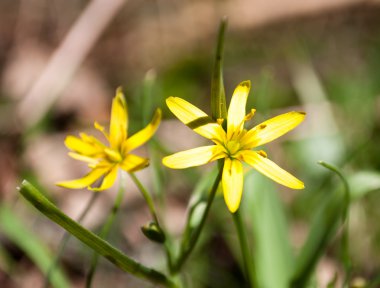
<point x="250" y="115"/>
<point x="101" y="129"/>
<point x="220" y="121"/>
<point x="263" y="126"/>
<point x="98" y="126"/>
<point x="262" y="153"/>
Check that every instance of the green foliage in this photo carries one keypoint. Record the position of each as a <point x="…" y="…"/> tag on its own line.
<point x="218" y="97"/>
<point x="272" y="252"/>
<point x="25" y="239"/>
<point x="351" y="98"/>
<point x="99" y="245"/>
<point x="363" y="182"/>
<point x="322" y="230"/>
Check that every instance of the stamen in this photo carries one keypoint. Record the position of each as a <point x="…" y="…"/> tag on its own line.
<point x="262" y="126"/>
<point x="250" y="115"/>
<point x="101" y="129"/>
<point x="262" y="153"/>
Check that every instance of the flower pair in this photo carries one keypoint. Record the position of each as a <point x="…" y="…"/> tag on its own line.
<point x="233" y="144"/>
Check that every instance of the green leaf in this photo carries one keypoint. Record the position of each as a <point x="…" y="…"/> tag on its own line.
<point x="26" y="240"/>
<point x="147" y="98"/>
<point x="196" y="207"/>
<point x="272" y="254"/>
<point x="333" y="282"/>
<point x="323" y="228"/>
<point x="6" y="261"/>
<point x="363" y="182"/>
<point x="218" y="98"/>
<point x="324" y="225"/>
<point x="99" y="245"/>
<point x="197" y="216"/>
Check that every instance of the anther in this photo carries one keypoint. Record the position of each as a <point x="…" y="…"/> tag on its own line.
<point x="263" y="126"/>
<point x="262" y="153"/>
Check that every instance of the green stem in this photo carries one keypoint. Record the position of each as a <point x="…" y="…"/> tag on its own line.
<point x="106" y="228"/>
<point x="152" y="209"/>
<point x="248" y="264"/>
<point x="147" y="197"/>
<point x="115" y="256"/>
<point x="345" y="222"/>
<point x="186" y="250"/>
<point x="65" y="239"/>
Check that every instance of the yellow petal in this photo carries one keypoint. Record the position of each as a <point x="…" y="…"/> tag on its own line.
<point x="193" y="157"/>
<point x="143" y="135"/>
<point x="86" y="181"/>
<point x="195" y="118"/>
<point x="108" y="180"/>
<point x="272" y="129"/>
<point x="80" y="157"/>
<point x="133" y="163"/>
<point x="212" y="131"/>
<point x="271" y="170"/>
<point x="82" y="147"/>
<point x="92" y="140"/>
<point x="236" y="110"/>
<point x="119" y="120"/>
<point x="232" y="183"/>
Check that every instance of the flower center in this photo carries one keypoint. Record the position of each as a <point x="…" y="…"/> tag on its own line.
<point x="113" y="155"/>
<point x="232" y="147"/>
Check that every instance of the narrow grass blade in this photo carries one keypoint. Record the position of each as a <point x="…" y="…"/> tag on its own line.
<point x="195" y="224"/>
<point x="147" y="98"/>
<point x="65" y="240"/>
<point x="102" y="247"/>
<point x="323" y="227"/>
<point x="26" y="240"/>
<point x="6" y="261"/>
<point x="241" y="230"/>
<point x="106" y="229"/>
<point x="272" y="252"/>
<point x="196" y="206"/>
<point x="218" y="98"/>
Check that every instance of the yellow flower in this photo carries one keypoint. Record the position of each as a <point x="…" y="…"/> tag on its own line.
<point x="234" y="145"/>
<point x="104" y="160"/>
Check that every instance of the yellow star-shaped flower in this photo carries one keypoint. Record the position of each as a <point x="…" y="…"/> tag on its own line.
<point x="234" y="145"/>
<point x="104" y="160"/>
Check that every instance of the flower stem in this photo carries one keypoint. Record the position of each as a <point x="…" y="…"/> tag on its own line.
<point x="187" y="249"/>
<point x="65" y="239"/>
<point x="146" y="196"/>
<point x="152" y="209"/>
<point x="106" y="229"/>
<point x="248" y="263"/>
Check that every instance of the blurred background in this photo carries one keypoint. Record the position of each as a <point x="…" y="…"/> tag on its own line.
<point x="61" y="62"/>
